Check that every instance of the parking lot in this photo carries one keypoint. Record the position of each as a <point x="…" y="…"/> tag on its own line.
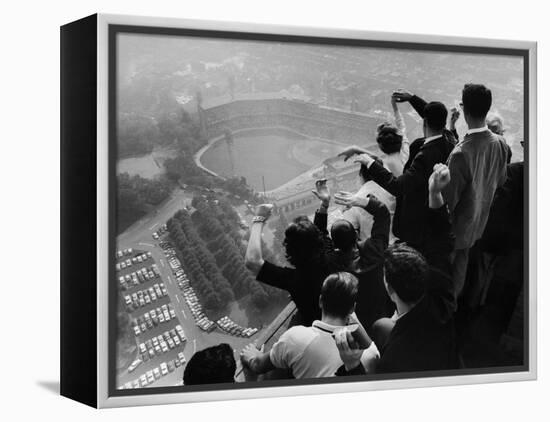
<point x="159" y="334"/>
<point x="140" y="237"/>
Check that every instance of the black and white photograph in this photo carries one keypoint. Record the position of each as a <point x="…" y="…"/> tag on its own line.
<point x="304" y="210"/>
<point x="299" y="211"/>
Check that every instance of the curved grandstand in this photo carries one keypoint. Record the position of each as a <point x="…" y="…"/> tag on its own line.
<point x="314" y="120"/>
<point x="305" y="121"/>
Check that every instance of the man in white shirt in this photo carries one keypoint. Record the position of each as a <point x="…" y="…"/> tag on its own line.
<point x="311" y="352"/>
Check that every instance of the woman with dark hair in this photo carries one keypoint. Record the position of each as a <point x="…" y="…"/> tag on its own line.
<point x="392" y="141"/>
<point x="304" y="246"/>
<point x="394" y="146"/>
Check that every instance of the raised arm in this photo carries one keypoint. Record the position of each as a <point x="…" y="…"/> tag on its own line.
<point x="322" y="193"/>
<point x="415" y="176"/>
<point x="439" y="229"/>
<point x="440" y="244"/>
<point x="455" y="114"/>
<point x="253" y="258"/>
<point x="380" y="232"/>
<point x="415" y="101"/>
<point x="399" y="122"/>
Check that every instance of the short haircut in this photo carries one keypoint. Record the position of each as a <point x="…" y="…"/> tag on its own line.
<point x="406" y="271"/>
<point x="343" y="234"/>
<point x="476" y="100"/>
<point x="338" y="294"/>
<point x="388" y="137"/>
<point x="435" y="115"/>
<point x="212" y="365"/>
<point x="303" y="243"/>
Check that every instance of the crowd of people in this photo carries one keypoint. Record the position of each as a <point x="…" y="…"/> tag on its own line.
<point x="391" y="304"/>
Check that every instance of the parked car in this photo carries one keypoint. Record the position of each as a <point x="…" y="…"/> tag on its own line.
<point x="143" y="380"/>
<point x="134" y="365"/>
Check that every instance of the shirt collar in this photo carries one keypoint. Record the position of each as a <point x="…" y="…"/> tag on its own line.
<point x="397" y="316"/>
<point x="477" y="130"/>
<point x="323" y="326"/>
<point x="432" y="138"/>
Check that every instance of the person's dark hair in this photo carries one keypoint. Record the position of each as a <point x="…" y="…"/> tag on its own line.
<point x="343" y="234"/>
<point x="388" y="137"/>
<point x="476" y="100"/>
<point x="339" y="293"/>
<point x="303" y="242"/>
<point x="406" y="271"/>
<point x="212" y="365"/>
<point x="435" y="115"/>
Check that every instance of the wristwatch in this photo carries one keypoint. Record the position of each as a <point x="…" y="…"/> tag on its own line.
<point x="258" y="219"/>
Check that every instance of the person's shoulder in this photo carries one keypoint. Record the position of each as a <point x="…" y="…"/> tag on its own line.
<point x="298" y="334"/>
<point x="417" y="143"/>
<point x="270" y="266"/>
<point x="459" y="152"/>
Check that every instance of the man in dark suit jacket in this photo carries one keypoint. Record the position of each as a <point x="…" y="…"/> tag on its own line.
<point x="411" y="188"/>
<point x="423" y="336"/>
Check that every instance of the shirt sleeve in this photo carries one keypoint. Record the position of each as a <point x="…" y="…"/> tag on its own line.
<point x="411" y="179"/>
<point x="418" y="104"/>
<point x="400" y="123"/>
<point x="459" y="177"/>
<point x="380" y="231"/>
<point x="290" y="346"/>
<point x="279" y="353"/>
<point x="276" y="276"/>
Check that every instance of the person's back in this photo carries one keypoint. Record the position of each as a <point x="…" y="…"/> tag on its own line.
<point x="310" y="352"/>
<point x="477" y="167"/>
<point x="481" y="158"/>
<point x="410" y="221"/>
<point x="424" y="338"/>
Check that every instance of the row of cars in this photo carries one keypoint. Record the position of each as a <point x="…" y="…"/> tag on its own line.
<point x="231" y="327"/>
<point x="145" y="297"/>
<point x="201" y="320"/>
<point x="162" y="343"/>
<point x="154" y="374"/>
<point x="153" y="318"/>
<point x="160" y="232"/>
<point x="124" y="252"/>
<point x="138" y="259"/>
<point x="143" y="275"/>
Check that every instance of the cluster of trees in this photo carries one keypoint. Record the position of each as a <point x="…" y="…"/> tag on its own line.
<point x="238" y="186"/>
<point x="135" y="196"/>
<point x="136" y="135"/>
<point x="206" y="277"/>
<point x="168" y="124"/>
<point x="126" y="340"/>
<point x="219" y="230"/>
